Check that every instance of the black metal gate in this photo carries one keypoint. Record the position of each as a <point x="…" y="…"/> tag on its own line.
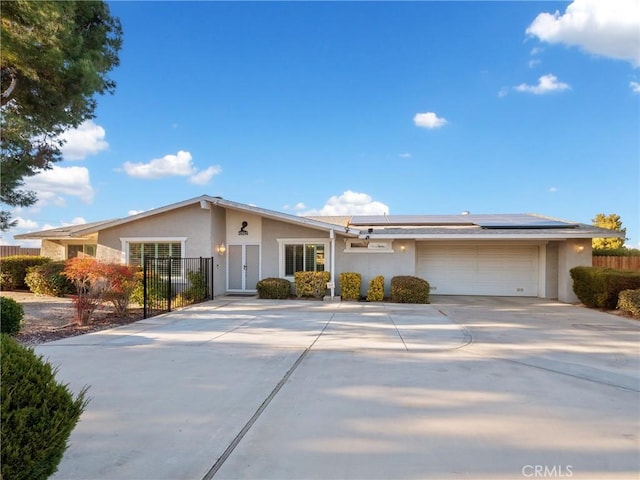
<point x="170" y="282"/>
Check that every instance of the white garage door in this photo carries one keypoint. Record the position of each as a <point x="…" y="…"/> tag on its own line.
<point x="479" y="270"/>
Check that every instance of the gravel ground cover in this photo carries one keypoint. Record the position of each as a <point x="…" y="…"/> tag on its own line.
<point x="52" y="318"/>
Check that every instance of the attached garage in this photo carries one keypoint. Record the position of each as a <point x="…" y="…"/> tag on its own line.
<point x="479" y="269"/>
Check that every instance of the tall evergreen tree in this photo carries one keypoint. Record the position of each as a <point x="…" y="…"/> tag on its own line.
<point x="55" y="57"/>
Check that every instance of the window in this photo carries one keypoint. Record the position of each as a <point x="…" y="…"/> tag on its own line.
<point x="137" y="252"/>
<point x="356" y="245"/>
<point x="303" y="257"/>
<point x="87" y="250"/>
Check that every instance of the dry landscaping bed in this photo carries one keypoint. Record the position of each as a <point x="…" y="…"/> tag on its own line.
<point x="52" y="318"/>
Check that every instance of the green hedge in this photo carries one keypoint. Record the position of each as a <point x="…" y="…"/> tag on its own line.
<point x="38" y="414"/>
<point x="11" y="315"/>
<point x="311" y="284"/>
<point x="274" y="288"/>
<point x="350" y="283"/>
<point x="409" y="289"/>
<point x="47" y="279"/>
<point x="376" y="289"/>
<point x="629" y="302"/>
<point x="13" y="270"/>
<point x="616" y="252"/>
<point x="599" y="287"/>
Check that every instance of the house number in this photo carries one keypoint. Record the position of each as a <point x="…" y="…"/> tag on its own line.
<point x="243" y="229"/>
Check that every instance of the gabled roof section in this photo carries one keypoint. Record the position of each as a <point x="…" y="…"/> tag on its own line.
<point x="205" y="201"/>
<point x="74" y="231"/>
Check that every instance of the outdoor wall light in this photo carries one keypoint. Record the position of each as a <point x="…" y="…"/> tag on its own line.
<point x="221" y="249"/>
<point x="579" y="248"/>
<point x="402" y="248"/>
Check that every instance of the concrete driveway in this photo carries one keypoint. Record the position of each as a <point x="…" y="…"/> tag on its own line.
<point x="467" y="387"/>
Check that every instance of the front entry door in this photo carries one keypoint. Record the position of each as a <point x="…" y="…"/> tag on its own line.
<point x="244" y="267"/>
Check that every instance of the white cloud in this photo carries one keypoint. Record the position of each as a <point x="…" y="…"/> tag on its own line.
<point x="609" y="28"/>
<point x="87" y="139"/>
<point x="180" y="165"/>
<point x="635" y="87"/>
<point x="134" y="212"/>
<point x="428" y="120"/>
<point x="204" y="176"/>
<point x="26" y="224"/>
<point x="350" y="203"/>
<point x="546" y="84"/>
<point x="553" y="189"/>
<point x="404" y="155"/>
<point x="54" y="185"/>
<point x="534" y="62"/>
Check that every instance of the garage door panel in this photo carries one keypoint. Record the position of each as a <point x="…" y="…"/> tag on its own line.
<point x="479" y="270"/>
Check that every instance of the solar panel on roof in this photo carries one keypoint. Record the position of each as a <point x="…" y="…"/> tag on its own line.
<point x="484" y="221"/>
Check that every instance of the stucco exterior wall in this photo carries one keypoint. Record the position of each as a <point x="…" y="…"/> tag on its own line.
<point x="273" y="230"/>
<point x="55" y="250"/>
<point x="551" y="271"/>
<point x="370" y="265"/>
<point x="218" y="236"/>
<point x="192" y="222"/>
<point x="571" y="253"/>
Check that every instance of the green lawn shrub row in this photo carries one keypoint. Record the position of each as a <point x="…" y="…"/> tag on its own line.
<point x="409" y="289"/>
<point x="48" y="279"/>
<point x="13" y="270"/>
<point x="616" y="252"/>
<point x="11" y="315"/>
<point x="598" y="287"/>
<point x="629" y="302"/>
<point x="376" y="289"/>
<point x="350" y="283"/>
<point x="38" y="414"/>
<point x="311" y="284"/>
<point x="274" y="288"/>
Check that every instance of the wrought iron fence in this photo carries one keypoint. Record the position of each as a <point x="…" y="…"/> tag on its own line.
<point x="170" y="282"/>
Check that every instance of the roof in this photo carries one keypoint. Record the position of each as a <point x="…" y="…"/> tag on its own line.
<point x="466" y="226"/>
<point x="79" y="231"/>
<point x="463" y="226"/>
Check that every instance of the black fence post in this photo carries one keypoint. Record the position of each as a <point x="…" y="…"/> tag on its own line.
<point x="169" y="289"/>
<point x="144" y="287"/>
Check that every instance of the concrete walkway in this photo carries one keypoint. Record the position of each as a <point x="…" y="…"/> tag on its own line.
<point x="462" y="388"/>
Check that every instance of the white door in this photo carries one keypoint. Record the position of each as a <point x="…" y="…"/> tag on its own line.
<point x="458" y="269"/>
<point x="244" y="268"/>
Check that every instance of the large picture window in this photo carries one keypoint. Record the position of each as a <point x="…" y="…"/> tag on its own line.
<point x="136" y="251"/>
<point x="302" y="256"/>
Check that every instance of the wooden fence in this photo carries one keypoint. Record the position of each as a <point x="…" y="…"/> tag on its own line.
<point x="10" y="250"/>
<point x="625" y="263"/>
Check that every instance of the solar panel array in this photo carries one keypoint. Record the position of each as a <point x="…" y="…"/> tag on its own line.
<point x="519" y="220"/>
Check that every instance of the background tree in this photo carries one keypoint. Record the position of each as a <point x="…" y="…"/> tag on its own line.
<point x="55" y="57"/>
<point x="612" y="222"/>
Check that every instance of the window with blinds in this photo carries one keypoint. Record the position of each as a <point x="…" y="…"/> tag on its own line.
<point x="303" y="257"/>
<point x="137" y="252"/>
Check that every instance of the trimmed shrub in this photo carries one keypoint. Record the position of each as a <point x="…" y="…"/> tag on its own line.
<point x="38" y="414"/>
<point x="14" y="270"/>
<point x="11" y="315"/>
<point x="376" y="289"/>
<point x="598" y="287"/>
<point x="48" y="279"/>
<point x="616" y="252"/>
<point x="350" y="283"/>
<point x="629" y="302"/>
<point x="311" y="284"/>
<point x="274" y="288"/>
<point x="409" y="289"/>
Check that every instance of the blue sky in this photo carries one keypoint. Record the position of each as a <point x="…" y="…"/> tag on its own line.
<point x="357" y="107"/>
